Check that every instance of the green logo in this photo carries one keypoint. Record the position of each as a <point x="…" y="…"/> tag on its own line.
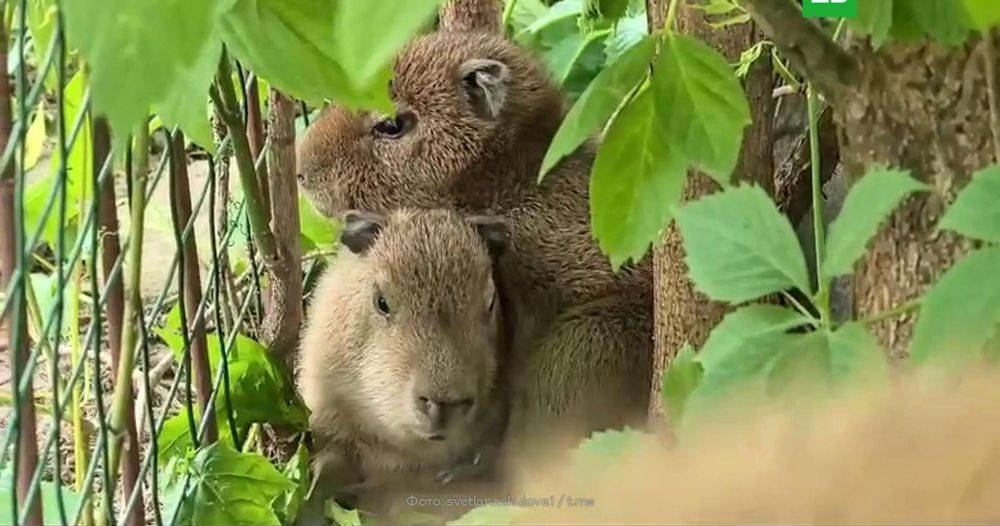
<point x="830" y="8"/>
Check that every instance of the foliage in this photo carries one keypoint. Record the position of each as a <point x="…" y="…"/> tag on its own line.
<point x="228" y="487"/>
<point x="50" y="504"/>
<point x="946" y="21"/>
<point x="286" y="42"/>
<point x="689" y="114"/>
<point x="260" y="390"/>
<point x="960" y="315"/>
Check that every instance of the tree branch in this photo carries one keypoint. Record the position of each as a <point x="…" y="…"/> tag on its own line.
<point x="810" y="51"/>
<point x="281" y="322"/>
<point x="224" y="98"/>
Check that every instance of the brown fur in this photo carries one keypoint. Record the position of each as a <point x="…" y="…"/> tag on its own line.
<point x="586" y="332"/>
<point x="361" y="371"/>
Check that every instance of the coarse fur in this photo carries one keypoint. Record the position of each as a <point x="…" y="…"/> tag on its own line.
<point x="364" y="373"/>
<point x="477" y="115"/>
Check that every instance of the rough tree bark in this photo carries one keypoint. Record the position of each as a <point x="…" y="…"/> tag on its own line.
<point x="284" y="312"/>
<point x="684" y="315"/>
<point x="471" y="15"/>
<point x="922" y="107"/>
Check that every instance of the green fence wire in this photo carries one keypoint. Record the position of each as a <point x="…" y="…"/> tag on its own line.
<point x="85" y="250"/>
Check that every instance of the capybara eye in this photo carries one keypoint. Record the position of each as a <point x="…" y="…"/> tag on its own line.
<point x="393" y="127"/>
<point x="381" y="304"/>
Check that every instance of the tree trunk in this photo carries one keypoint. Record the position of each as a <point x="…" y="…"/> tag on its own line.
<point x="682" y="314"/>
<point x="924" y="108"/>
<point x="284" y="308"/>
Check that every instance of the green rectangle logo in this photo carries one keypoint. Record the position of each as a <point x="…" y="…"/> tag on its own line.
<point x="830" y="8"/>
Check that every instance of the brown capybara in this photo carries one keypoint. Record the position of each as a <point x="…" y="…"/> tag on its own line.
<point x="401" y="360"/>
<point x="475" y="115"/>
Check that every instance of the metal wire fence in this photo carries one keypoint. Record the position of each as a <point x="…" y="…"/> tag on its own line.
<point x="119" y="449"/>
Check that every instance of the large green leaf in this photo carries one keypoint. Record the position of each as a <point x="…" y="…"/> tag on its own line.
<point x="186" y="102"/>
<point x="230" y="488"/>
<point x="982" y="14"/>
<point x="680" y="379"/>
<point x="625" y="34"/>
<point x="320" y="230"/>
<point x="34" y="141"/>
<point x="50" y="503"/>
<point x="136" y="49"/>
<point x="747" y="324"/>
<point x="42" y="26"/>
<point x="874" y="19"/>
<point x="290" y="43"/>
<point x="976" y="212"/>
<point x="599" y="102"/>
<point x="79" y="175"/>
<point x="868" y="203"/>
<point x="740" y="247"/>
<point x="367" y="34"/>
<point x="638" y="175"/>
<point x="856" y="354"/>
<point x="260" y="388"/>
<point x="961" y="312"/>
<point x="941" y="20"/>
<point x="702" y="104"/>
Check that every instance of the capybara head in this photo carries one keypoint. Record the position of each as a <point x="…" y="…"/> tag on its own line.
<point x="405" y="335"/>
<point x="462" y="99"/>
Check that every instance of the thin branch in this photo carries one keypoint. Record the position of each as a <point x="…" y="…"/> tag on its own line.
<point x="808" y="48"/>
<point x="224" y="98"/>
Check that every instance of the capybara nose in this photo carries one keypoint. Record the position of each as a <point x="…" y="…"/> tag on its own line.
<point x="441" y="411"/>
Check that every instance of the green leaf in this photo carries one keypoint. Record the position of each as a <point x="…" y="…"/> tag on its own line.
<point x="42" y="27"/>
<point x="260" y="388"/>
<point x="136" y="49"/>
<point x="976" y="211"/>
<point x="576" y="60"/>
<point x="855" y="354"/>
<point x="489" y="515"/>
<point x="34" y="141"/>
<point x="604" y="447"/>
<point x="289" y="43"/>
<point x="233" y="488"/>
<point x="874" y="19"/>
<point x="867" y="205"/>
<point x="747" y="324"/>
<point x="558" y="12"/>
<point x="186" y="102"/>
<point x="319" y="229"/>
<point x="679" y="381"/>
<point x="368" y="34"/>
<point x="960" y="313"/>
<point x="702" y="104"/>
<point x="982" y="14"/>
<point x="740" y="247"/>
<point x="297" y="471"/>
<point x="524" y="13"/>
<point x="341" y="516"/>
<point x="941" y="20"/>
<point x="598" y="103"/>
<point x="637" y="176"/>
<point x="628" y="32"/>
<point x="50" y="504"/>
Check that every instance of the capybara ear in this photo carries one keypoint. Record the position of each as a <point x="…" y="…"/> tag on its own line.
<point x="360" y="230"/>
<point x="485" y="82"/>
<point x="495" y="232"/>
